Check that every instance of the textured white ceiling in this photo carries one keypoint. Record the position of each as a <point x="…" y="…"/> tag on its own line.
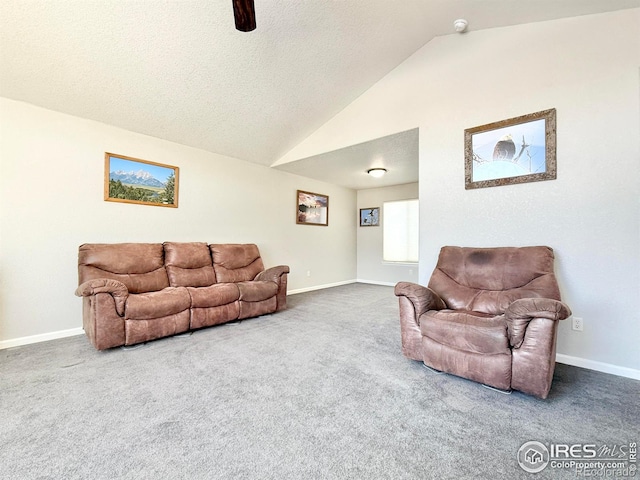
<point x="178" y="70"/>
<point x="348" y="166"/>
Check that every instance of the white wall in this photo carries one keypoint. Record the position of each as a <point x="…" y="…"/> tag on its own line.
<point x="51" y="201"/>
<point x="371" y="267"/>
<point x="586" y="68"/>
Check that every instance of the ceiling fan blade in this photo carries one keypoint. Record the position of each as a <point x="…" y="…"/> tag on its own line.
<point x="245" y="15"/>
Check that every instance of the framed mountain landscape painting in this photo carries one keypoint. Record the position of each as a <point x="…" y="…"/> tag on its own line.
<point x="131" y="180"/>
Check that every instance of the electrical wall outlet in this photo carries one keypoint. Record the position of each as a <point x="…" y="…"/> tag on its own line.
<point x="577" y="323"/>
<point x="308" y="273"/>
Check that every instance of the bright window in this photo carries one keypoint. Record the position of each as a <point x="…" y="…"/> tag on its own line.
<point x="400" y="231"/>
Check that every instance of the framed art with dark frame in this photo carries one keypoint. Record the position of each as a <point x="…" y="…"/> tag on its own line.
<point x="131" y="180"/>
<point x="508" y="152"/>
<point x="312" y="208"/>
<point x="370" y="217"/>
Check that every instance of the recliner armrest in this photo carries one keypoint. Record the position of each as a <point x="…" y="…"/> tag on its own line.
<point x="422" y="298"/>
<point x="522" y="311"/>
<point x="116" y="289"/>
<point x="273" y="274"/>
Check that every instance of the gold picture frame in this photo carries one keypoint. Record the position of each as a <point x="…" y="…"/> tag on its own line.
<point x="132" y="180"/>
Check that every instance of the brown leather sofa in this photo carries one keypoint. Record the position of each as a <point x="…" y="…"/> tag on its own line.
<point x="488" y="314"/>
<point x="136" y="292"/>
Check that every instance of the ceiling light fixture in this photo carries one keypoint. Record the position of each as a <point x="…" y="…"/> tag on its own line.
<point x="377" y="172"/>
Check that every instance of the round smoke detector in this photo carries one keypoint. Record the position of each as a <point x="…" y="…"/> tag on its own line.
<point x="460" y="25"/>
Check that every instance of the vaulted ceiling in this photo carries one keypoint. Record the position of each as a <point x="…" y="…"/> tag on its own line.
<point x="178" y="69"/>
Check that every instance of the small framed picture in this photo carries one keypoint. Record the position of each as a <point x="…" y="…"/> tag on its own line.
<point x="131" y="180"/>
<point x="517" y="150"/>
<point x="370" y="217"/>
<point x="312" y="208"/>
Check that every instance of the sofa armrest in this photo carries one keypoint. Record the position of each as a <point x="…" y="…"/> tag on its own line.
<point x="522" y="311"/>
<point x="278" y="275"/>
<point x="273" y="274"/>
<point x="414" y="300"/>
<point x="422" y="298"/>
<point x="116" y="289"/>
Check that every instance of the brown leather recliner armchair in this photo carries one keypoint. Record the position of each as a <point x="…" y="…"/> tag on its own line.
<point x="488" y="314"/>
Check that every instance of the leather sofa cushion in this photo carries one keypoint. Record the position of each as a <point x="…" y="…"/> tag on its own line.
<point x="467" y="331"/>
<point x="145" y="306"/>
<point x="189" y="264"/>
<point x="257" y="291"/>
<point x="139" y="266"/>
<point x="214" y="295"/>
<point x="236" y="262"/>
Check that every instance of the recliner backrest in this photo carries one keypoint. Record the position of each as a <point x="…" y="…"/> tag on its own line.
<point x="235" y="262"/>
<point x="189" y="264"/>
<point x="488" y="279"/>
<point x="140" y="266"/>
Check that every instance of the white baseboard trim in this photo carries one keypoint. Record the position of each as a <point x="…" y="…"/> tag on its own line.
<point x="43" y="337"/>
<point x="319" y="287"/>
<point x="598" y="366"/>
<point x="375" y="282"/>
